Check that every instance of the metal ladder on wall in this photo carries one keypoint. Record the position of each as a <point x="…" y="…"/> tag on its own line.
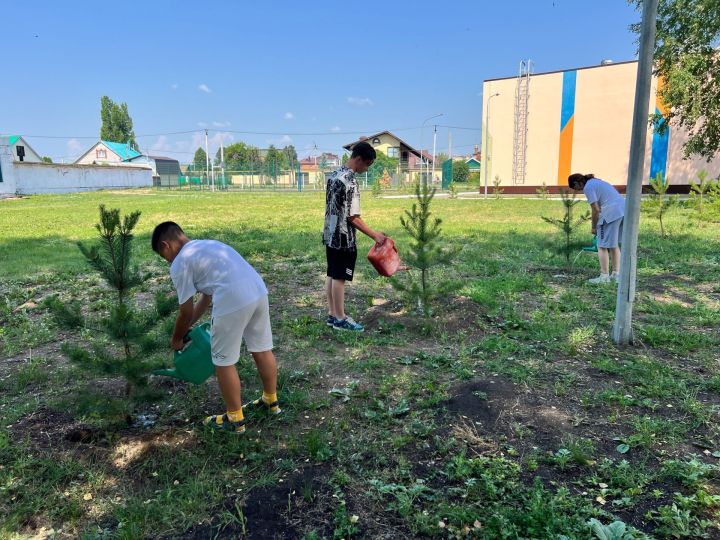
<point x="520" y="132"/>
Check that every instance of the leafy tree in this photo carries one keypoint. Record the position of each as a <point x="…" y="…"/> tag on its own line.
<point x="117" y="126"/>
<point x="345" y="158"/>
<point x="687" y="61"/>
<point x="200" y="160"/>
<point x="425" y="253"/>
<point x="291" y="155"/>
<point x="275" y="162"/>
<point x="461" y="172"/>
<point x="441" y="158"/>
<point x="126" y="328"/>
<point x="240" y="156"/>
<point x="46" y="159"/>
<point x="659" y="203"/>
<point x="568" y="225"/>
<point x="382" y="162"/>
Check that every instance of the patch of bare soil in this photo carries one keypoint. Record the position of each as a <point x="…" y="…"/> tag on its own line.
<point x="53" y="430"/>
<point x="288" y="510"/>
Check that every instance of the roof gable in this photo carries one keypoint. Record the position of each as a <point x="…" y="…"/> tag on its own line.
<point x="385" y="132"/>
<point x="123" y="150"/>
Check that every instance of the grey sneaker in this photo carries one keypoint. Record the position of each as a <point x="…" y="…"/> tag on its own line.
<point x="600" y="280"/>
<point x="348" y="324"/>
<point x="615" y="277"/>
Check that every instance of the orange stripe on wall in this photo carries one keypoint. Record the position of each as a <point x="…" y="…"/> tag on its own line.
<point x="565" y="157"/>
<point x="659" y="103"/>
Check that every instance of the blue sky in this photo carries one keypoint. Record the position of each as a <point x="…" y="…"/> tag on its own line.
<point x="306" y="73"/>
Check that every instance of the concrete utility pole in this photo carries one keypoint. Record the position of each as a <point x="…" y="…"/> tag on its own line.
<point x="432" y="176"/>
<point x="207" y="157"/>
<point x="222" y="158"/>
<point x="422" y="160"/>
<point x="622" y="330"/>
<point x="486" y="146"/>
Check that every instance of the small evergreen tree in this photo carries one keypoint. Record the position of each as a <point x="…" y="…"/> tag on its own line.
<point x="126" y="326"/>
<point x="543" y="191"/>
<point x="659" y="203"/>
<point x="497" y="190"/>
<point x="453" y="190"/>
<point x="424" y="254"/>
<point x="700" y="193"/>
<point x="376" y="189"/>
<point x="568" y="225"/>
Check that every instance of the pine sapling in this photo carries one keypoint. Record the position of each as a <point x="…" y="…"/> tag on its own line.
<point x="543" y="191"/>
<point x="424" y="253"/>
<point x="699" y="192"/>
<point x="126" y="326"/>
<point x="568" y="224"/>
<point x="658" y="202"/>
<point x="497" y="191"/>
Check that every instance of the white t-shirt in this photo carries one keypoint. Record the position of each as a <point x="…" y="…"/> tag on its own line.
<point x="612" y="204"/>
<point x="214" y="268"/>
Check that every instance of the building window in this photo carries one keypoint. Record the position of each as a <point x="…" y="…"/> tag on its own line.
<point x="376" y="140"/>
<point x="393" y="151"/>
<point x="100" y="153"/>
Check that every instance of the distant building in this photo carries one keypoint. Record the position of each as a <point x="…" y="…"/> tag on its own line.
<point x="166" y="171"/>
<point x="107" y="152"/>
<point x="412" y="163"/>
<point x="22" y="151"/>
<point x="545" y="126"/>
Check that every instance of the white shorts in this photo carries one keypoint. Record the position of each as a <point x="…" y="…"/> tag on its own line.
<point x="251" y="323"/>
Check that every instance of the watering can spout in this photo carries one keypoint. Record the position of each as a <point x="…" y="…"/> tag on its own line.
<point x="194" y="363"/>
<point x="167" y="373"/>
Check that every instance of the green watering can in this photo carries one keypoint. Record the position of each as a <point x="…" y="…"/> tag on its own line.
<point x="593" y="247"/>
<point x="194" y="362"/>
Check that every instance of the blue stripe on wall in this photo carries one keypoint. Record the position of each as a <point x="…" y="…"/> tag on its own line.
<point x="658" y="158"/>
<point x="568" y="98"/>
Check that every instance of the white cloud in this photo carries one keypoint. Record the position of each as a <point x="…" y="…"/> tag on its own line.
<point x="161" y="144"/>
<point x="74" y="147"/>
<point x="198" y="141"/>
<point x="205" y="88"/>
<point x="202" y="124"/>
<point x="289" y="116"/>
<point x="335" y="128"/>
<point x="360" y="101"/>
<point x="174" y="86"/>
<point x="224" y="124"/>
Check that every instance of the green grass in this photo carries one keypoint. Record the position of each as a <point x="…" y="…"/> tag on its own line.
<point x="509" y="409"/>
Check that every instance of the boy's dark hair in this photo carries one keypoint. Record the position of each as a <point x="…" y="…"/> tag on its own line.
<point x="364" y="151"/>
<point x="578" y="181"/>
<point x="167" y="230"/>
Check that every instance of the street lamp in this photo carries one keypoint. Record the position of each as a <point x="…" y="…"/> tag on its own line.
<point x="486" y="147"/>
<point x="421" y="150"/>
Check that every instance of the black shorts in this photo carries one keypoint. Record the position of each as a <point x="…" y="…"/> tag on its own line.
<point x="340" y="263"/>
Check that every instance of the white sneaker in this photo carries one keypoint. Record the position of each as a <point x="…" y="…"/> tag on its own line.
<point x="615" y="277"/>
<point x="602" y="278"/>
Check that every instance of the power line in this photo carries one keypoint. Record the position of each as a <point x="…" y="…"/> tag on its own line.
<point x="239" y="132"/>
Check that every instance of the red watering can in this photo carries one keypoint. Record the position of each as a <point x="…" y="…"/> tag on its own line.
<point x="385" y="258"/>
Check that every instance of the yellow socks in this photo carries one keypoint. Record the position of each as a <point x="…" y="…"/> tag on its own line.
<point x="235" y="416"/>
<point x="233" y="421"/>
<point x="271" y="402"/>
